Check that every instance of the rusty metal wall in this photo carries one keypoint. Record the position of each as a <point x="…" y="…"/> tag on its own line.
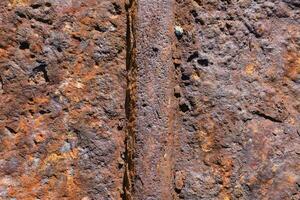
<point x="161" y="99"/>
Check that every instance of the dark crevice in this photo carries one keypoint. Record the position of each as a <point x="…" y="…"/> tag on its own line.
<point x="100" y="28"/>
<point x="185" y="77"/>
<point x="129" y="104"/>
<point x="193" y="56"/>
<point x="263" y="115"/>
<point x="1" y="83"/>
<point x="35" y="6"/>
<point x="78" y="38"/>
<point x="155" y="49"/>
<point x="48" y="4"/>
<point x="10" y="130"/>
<point x="43" y="112"/>
<point x="43" y="20"/>
<point x="117" y="9"/>
<point x="24" y="45"/>
<point x="41" y="68"/>
<point x="194" y="13"/>
<point x="184" y="107"/>
<point x="203" y="62"/>
<point x="59" y="49"/>
<point x="20" y="14"/>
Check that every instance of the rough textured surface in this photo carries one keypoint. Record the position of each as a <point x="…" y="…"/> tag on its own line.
<point x="63" y="81"/>
<point x="154" y="132"/>
<point x="238" y="99"/>
<point x="162" y="99"/>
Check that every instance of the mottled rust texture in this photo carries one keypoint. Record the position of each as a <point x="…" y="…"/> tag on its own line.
<point x="63" y="81"/>
<point x="238" y="126"/>
<point x="148" y="100"/>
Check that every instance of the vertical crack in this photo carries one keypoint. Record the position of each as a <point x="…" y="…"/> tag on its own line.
<point x="130" y="103"/>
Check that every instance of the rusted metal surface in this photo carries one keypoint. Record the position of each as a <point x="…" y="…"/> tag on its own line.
<point x="153" y="34"/>
<point x="238" y="98"/>
<point x="138" y="99"/>
<point x="63" y="81"/>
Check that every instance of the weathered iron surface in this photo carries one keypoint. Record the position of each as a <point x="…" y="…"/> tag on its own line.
<point x="153" y="34"/>
<point x="238" y="95"/>
<point x="63" y="81"/>
<point x="162" y="99"/>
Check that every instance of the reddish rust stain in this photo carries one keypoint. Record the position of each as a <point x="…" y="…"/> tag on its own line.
<point x="293" y="65"/>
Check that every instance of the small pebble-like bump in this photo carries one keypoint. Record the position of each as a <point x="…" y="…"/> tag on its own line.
<point x="178" y="31"/>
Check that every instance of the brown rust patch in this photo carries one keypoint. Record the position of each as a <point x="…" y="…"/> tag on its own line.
<point x="19" y="2"/>
<point x="293" y="65"/>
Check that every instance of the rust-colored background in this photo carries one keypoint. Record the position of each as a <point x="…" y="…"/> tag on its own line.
<point x="147" y="100"/>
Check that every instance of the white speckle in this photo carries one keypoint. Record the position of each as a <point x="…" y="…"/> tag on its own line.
<point x="112" y="28"/>
<point x="178" y="30"/>
<point x="36" y="162"/>
<point x="79" y="85"/>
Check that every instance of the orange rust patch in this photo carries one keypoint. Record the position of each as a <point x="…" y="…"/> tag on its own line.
<point x="39" y="138"/>
<point x="226" y="170"/>
<point x="55" y="157"/>
<point x="91" y="74"/>
<point x="250" y="68"/>
<point x="292" y="65"/>
<point x="41" y="100"/>
<point x="86" y="21"/>
<point x="72" y="185"/>
<point x="23" y="125"/>
<point x="206" y="141"/>
<point x="3" y="53"/>
<point x="18" y="2"/>
<point x="226" y="198"/>
<point x="291" y="179"/>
